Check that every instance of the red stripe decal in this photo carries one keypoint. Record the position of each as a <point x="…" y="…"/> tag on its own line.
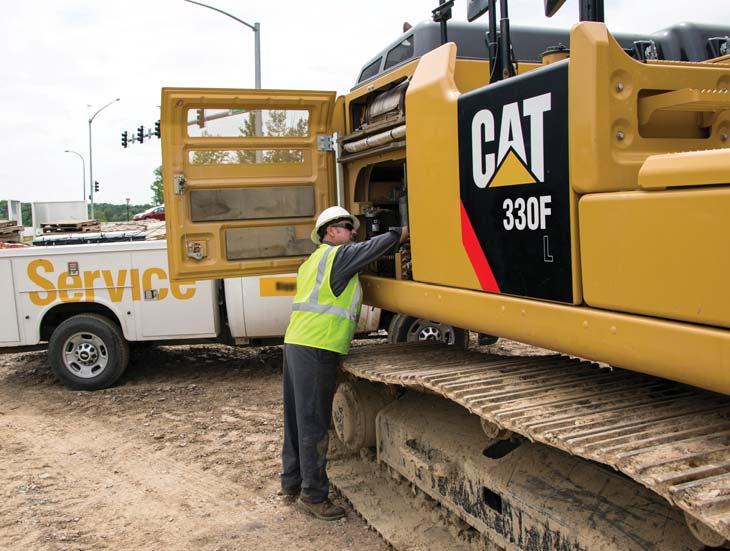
<point x="476" y="254"/>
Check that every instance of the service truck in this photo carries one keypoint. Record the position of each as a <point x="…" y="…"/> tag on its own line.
<point x="89" y="301"/>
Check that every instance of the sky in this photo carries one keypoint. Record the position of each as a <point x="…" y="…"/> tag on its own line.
<point x="60" y="57"/>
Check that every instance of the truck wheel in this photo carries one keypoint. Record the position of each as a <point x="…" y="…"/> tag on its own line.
<point x="409" y="329"/>
<point x="88" y="352"/>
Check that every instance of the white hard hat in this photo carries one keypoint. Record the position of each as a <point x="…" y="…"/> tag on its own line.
<point x="328" y="215"/>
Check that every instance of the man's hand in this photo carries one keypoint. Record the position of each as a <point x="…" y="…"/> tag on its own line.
<point x="403" y="234"/>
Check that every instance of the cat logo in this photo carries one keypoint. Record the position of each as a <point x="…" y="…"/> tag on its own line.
<point x="511" y="160"/>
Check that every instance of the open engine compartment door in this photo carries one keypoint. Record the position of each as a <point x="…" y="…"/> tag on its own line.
<point x="245" y="173"/>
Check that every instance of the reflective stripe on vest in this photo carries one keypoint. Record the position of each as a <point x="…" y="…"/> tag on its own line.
<point x="333" y="330"/>
<point x="312" y="305"/>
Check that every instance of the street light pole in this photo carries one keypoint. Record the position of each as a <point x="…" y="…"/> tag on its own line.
<point x="256" y="28"/>
<point x="83" y="170"/>
<point x="91" y="161"/>
<point x="257" y="49"/>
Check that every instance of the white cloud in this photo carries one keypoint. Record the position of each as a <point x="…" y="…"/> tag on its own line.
<point x="57" y="57"/>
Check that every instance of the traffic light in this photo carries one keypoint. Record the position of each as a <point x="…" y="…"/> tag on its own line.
<point x="125" y="139"/>
<point x="140" y="134"/>
<point x="157" y="128"/>
<point x="96" y="187"/>
<point x="201" y="117"/>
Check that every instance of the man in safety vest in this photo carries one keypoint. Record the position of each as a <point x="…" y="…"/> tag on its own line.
<point x="324" y="316"/>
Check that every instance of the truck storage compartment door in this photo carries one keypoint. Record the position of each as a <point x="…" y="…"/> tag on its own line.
<point x="267" y="304"/>
<point x="9" y="333"/>
<point x="245" y="173"/>
<point x="172" y="310"/>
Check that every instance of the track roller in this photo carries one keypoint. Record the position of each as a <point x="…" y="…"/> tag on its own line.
<point x="354" y="408"/>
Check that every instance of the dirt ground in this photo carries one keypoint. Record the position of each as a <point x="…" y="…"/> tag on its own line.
<point x="183" y="453"/>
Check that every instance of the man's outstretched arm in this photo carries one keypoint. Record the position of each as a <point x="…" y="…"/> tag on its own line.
<point x="353" y="257"/>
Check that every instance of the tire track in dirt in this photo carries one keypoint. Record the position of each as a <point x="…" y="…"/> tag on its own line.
<point x="115" y="483"/>
<point x="173" y="459"/>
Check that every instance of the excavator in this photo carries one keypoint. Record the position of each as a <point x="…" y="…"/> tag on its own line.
<point x="565" y="189"/>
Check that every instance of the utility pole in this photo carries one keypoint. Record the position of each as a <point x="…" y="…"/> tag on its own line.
<point x="256" y="28"/>
<point x="91" y="162"/>
<point x="83" y="170"/>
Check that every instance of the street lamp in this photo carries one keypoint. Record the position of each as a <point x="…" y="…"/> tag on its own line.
<point x="91" y="163"/>
<point x="83" y="170"/>
<point x="127" y="199"/>
<point x="256" y="28"/>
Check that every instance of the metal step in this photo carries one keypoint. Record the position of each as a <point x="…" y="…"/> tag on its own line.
<point x="672" y="438"/>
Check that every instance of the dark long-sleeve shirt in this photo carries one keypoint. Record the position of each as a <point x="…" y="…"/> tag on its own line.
<point x="351" y="258"/>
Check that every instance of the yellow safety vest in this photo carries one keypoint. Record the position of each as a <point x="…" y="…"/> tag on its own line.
<point x="319" y="318"/>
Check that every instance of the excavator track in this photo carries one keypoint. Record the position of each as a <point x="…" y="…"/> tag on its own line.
<point x="380" y="495"/>
<point x="671" y="438"/>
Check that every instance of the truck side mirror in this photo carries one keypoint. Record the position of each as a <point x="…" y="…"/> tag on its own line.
<point x="552" y="6"/>
<point x="476" y="8"/>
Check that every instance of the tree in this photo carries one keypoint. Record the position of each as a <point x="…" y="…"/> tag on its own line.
<point x="278" y="125"/>
<point x="247" y="156"/>
<point x="211" y="156"/>
<point x="25" y="209"/>
<point x="156" y="187"/>
<point x="109" y="212"/>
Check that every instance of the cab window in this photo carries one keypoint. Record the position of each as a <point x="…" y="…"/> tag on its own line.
<point x="247" y="123"/>
<point x="371" y="70"/>
<point x="400" y="53"/>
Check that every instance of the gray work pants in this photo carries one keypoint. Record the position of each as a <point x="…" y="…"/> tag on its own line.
<point x="310" y="377"/>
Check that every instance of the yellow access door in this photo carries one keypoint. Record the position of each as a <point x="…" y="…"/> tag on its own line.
<point x="245" y="173"/>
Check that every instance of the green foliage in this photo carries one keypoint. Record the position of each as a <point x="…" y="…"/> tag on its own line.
<point x="275" y="124"/>
<point x="210" y="157"/>
<point x="103" y="212"/>
<point x="108" y="212"/>
<point x="156" y="187"/>
<point x="24" y="209"/>
<point x="244" y="156"/>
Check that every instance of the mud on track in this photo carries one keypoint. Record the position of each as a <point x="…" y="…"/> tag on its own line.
<point x="182" y="454"/>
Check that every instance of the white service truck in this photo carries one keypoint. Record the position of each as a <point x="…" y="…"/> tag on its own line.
<point x="89" y="301"/>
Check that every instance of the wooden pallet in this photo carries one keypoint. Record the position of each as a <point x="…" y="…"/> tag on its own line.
<point x="72" y="227"/>
<point x="10" y="231"/>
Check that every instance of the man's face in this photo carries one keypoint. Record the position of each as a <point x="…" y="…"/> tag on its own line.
<point x="340" y="232"/>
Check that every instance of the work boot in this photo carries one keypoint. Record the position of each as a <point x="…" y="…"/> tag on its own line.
<point x="323" y="510"/>
<point x="289" y="493"/>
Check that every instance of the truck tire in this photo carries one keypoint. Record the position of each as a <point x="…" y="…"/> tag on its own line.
<point x="404" y="328"/>
<point x="88" y="352"/>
